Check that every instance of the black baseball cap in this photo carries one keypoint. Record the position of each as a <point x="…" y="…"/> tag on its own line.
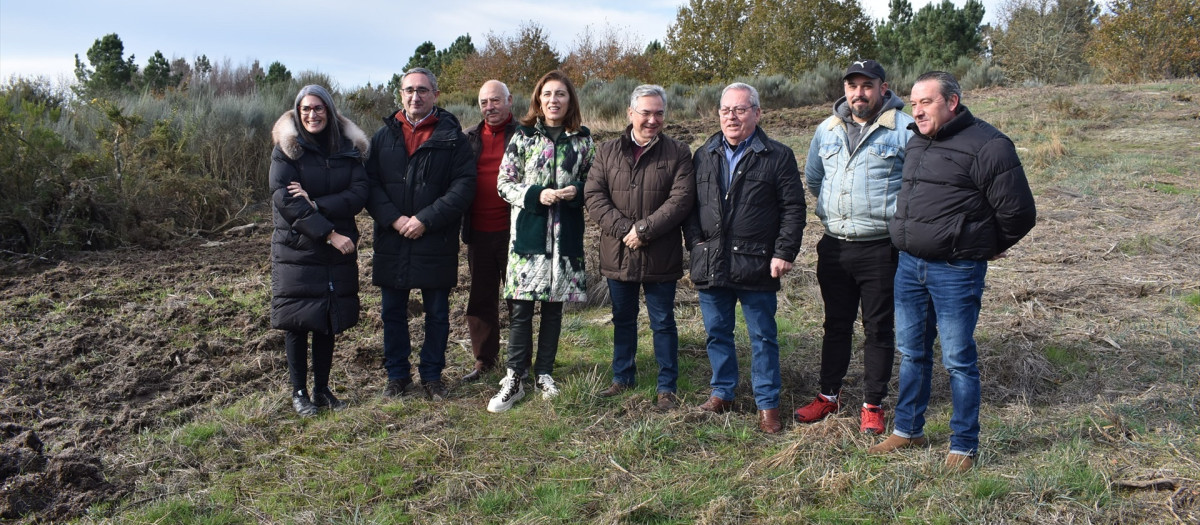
<point x="868" y="68"/>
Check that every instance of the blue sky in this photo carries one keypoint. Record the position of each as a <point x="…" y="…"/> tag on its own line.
<point x="354" y="41"/>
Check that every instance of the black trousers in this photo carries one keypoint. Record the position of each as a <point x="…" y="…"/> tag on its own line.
<point x="520" y="338"/>
<point x="296" y="344"/>
<point x="854" y="274"/>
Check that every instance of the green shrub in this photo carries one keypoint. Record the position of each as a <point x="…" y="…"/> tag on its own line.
<point x="819" y="85"/>
<point x="971" y="74"/>
<point x="606" y="100"/>
<point x="468" y="114"/>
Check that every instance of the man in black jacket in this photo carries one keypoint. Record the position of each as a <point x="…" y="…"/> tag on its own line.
<point x="963" y="200"/>
<point x="743" y="235"/>
<point x="422" y="176"/>
<point x="485" y="229"/>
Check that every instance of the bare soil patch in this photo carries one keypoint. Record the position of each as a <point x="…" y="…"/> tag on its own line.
<point x="102" y="346"/>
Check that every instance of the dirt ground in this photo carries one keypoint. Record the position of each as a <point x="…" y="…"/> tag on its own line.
<point x="95" y="356"/>
<point x="102" y="346"/>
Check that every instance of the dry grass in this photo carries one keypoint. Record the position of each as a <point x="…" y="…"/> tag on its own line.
<point x="1089" y="354"/>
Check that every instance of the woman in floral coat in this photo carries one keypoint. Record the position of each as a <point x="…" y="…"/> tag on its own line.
<point x="542" y="174"/>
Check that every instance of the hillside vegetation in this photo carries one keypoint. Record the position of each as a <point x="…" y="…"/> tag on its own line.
<point x="145" y="386"/>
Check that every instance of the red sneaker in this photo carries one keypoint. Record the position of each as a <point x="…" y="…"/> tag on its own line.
<point x="872" y="420"/>
<point x="817" y="410"/>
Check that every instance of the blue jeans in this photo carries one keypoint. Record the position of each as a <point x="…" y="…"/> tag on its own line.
<point x="717" y="306"/>
<point x="660" y="306"/>
<point x="396" y="344"/>
<point x="938" y="298"/>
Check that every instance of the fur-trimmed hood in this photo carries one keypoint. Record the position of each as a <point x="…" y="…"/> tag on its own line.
<point x="287" y="137"/>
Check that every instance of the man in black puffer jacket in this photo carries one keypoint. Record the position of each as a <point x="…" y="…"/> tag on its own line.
<point x="422" y="176"/>
<point x="743" y="235"/>
<point x="964" y="200"/>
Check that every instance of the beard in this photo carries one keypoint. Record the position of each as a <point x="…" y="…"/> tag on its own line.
<point x="864" y="112"/>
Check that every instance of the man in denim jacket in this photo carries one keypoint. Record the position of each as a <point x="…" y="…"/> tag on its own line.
<point x="854" y="169"/>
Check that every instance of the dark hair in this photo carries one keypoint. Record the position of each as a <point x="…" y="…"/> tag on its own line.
<point x="572" y="121"/>
<point x="332" y="134"/>
<point x="947" y="84"/>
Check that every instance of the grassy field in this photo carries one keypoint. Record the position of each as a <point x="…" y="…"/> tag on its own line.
<point x="1089" y="356"/>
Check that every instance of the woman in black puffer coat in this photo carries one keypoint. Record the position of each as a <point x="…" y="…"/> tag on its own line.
<point x="318" y="185"/>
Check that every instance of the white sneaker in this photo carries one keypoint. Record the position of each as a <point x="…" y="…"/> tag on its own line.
<point x="511" y="391"/>
<point x="545" y="383"/>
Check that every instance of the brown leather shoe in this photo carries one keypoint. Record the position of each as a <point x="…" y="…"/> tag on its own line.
<point x="716" y="405"/>
<point x="959" y="462"/>
<point x="768" y="421"/>
<point x="613" y="389"/>
<point x="475" y="375"/>
<point x="894" y="443"/>
<point x="667" y="401"/>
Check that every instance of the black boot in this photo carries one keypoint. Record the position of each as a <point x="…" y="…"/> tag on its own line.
<point x="302" y="404"/>
<point x="323" y="398"/>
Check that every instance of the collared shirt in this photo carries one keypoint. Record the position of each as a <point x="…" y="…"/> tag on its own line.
<point x="416" y="134"/>
<point x="733" y="155"/>
<point x="418" y="122"/>
<point x="639" y="148"/>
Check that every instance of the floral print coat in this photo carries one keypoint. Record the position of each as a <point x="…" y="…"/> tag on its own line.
<point x="545" y="256"/>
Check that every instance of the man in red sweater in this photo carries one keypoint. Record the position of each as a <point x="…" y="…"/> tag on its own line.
<point x="485" y="230"/>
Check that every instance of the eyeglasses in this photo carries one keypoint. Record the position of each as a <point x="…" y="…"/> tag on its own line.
<point x="736" y="110"/>
<point x="423" y="91"/>
<point x="308" y="110"/>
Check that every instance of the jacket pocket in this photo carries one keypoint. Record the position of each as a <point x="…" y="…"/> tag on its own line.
<point x="883" y="160"/>
<point x="703" y="264"/>
<point x="531" y="234"/>
<point x="830" y="149"/>
<point x="749" y="261"/>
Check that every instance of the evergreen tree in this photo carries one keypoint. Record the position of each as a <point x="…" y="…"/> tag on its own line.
<point x="277" y="73"/>
<point x="425" y="56"/>
<point x="458" y="50"/>
<point x="203" y="66"/>
<point x="157" y="75"/>
<point x="109" y="71"/>
<point x="936" y="36"/>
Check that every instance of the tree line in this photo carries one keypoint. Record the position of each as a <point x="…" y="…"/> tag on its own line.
<point x="144" y="155"/>
<point x="1044" y="41"/>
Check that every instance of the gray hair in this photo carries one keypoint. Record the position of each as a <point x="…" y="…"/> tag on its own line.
<point x="428" y="74"/>
<point x="334" y="137"/>
<point x="648" y="90"/>
<point x="745" y="86"/>
<point x="947" y="84"/>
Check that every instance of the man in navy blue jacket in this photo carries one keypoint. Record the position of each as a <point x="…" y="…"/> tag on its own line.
<point x="744" y="234"/>
<point x="422" y="176"/>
